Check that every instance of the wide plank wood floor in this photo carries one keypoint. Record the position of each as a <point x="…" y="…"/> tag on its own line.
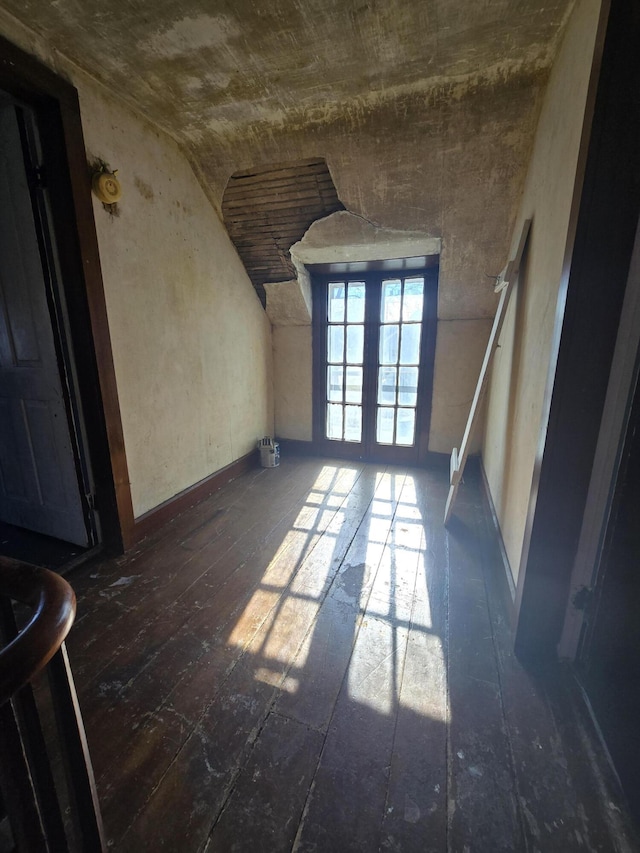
<point x="309" y="661"/>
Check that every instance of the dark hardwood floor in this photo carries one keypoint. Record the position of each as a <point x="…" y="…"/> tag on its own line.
<point x="309" y="661"/>
<point x="35" y="548"/>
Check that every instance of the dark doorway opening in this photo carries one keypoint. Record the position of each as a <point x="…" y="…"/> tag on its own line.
<point x="45" y="478"/>
<point x="47" y="113"/>
<point x="37" y="549"/>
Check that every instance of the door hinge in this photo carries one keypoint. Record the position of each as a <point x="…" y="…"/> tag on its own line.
<point x="91" y="501"/>
<point x="38" y="177"/>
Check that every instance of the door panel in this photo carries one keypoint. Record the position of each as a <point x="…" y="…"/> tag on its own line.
<point x="373" y="363"/>
<point x="39" y="486"/>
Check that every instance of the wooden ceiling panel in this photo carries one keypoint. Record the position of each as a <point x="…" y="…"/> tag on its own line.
<point x="268" y="210"/>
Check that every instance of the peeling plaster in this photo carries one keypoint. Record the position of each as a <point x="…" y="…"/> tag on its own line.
<point x="289" y="302"/>
<point x="343" y="237"/>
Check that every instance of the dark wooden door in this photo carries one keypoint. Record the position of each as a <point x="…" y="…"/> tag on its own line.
<point x="39" y="482"/>
<point x="374" y="338"/>
<point x="609" y="662"/>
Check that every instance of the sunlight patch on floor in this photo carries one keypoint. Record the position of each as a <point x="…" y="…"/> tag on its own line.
<point x="386" y="593"/>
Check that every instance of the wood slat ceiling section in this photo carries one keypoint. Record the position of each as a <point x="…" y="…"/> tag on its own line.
<point x="267" y="211"/>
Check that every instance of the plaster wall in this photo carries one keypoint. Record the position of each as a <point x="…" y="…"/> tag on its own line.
<point x="292" y="369"/>
<point x="191" y="343"/>
<point x="460" y="348"/>
<point x="520" y="368"/>
<point x="289" y="309"/>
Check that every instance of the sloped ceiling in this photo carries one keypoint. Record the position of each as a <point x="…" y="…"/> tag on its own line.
<point x="424" y="110"/>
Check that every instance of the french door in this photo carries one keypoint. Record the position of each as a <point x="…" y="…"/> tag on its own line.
<point x="374" y="342"/>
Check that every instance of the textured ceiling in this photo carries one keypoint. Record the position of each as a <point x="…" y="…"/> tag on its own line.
<point x="218" y="67"/>
<point x="423" y="109"/>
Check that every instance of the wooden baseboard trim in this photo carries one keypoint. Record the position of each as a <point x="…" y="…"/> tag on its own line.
<point x="507" y="575"/>
<point x="160" y="515"/>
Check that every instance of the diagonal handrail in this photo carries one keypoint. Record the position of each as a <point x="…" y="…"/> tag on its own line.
<point x="53" y="605"/>
<point x="29" y="789"/>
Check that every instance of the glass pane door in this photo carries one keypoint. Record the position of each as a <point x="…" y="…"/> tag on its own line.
<point x="401" y="308"/>
<point x="370" y="397"/>
<point x="345" y="357"/>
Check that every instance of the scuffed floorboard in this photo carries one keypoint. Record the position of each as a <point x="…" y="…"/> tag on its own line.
<point x="309" y="661"/>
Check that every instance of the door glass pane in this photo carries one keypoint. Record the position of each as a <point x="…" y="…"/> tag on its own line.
<point x="352" y="423"/>
<point x="408" y="386"/>
<point x="387" y="386"/>
<point x="412" y="300"/>
<point x="406" y="426"/>
<point x="355" y="344"/>
<point x="384" y="425"/>
<point x="410" y="344"/>
<point x="355" y="303"/>
<point x="399" y="330"/>
<point x="353" y="390"/>
<point x="335" y="379"/>
<point x="336" y="344"/>
<point x="336" y="303"/>
<point x="390" y="301"/>
<point x="389" y="344"/>
<point x="334" y="421"/>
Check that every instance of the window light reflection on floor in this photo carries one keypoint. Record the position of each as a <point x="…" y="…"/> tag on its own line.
<point x="276" y="627"/>
<point x="309" y="528"/>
